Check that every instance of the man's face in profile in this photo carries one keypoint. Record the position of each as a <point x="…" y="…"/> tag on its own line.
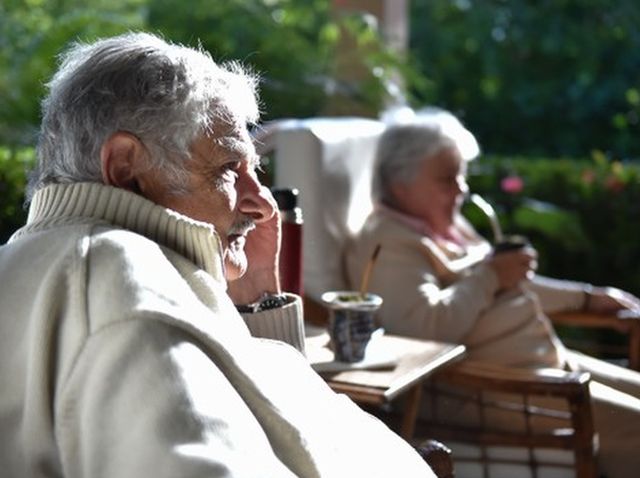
<point x="222" y="190"/>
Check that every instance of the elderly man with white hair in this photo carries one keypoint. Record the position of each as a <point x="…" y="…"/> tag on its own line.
<point x="123" y="353"/>
<point x="441" y="280"/>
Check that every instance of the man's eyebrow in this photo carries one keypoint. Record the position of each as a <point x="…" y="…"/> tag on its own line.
<point x="238" y="150"/>
<point x="253" y="160"/>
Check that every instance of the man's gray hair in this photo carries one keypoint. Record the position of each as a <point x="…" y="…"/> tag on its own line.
<point x="165" y="94"/>
<point x="404" y="146"/>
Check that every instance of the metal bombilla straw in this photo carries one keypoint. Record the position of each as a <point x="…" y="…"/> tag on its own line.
<point x="497" y="230"/>
<point x="491" y="214"/>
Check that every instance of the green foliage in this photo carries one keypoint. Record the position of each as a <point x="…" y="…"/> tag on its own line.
<point x="33" y="34"/>
<point x="14" y="164"/>
<point x="549" y="77"/>
<point x="292" y="44"/>
<point x="286" y="41"/>
<point x="562" y="228"/>
<point x="581" y="215"/>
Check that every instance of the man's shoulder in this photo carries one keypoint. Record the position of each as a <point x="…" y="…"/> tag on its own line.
<point x="121" y="242"/>
<point x="130" y="275"/>
<point x="92" y="275"/>
<point x="132" y="256"/>
<point x="64" y="241"/>
<point x="93" y="240"/>
<point x="76" y="230"/>
<point x="101" y="259"/>
<point x="98" y="255"/>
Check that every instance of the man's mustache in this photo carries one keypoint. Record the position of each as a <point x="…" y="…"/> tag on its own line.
<point x="243" y="226"/>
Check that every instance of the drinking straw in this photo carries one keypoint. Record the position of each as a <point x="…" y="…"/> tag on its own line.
<point x="364" y="284"/>
<point x="487" y="208"/>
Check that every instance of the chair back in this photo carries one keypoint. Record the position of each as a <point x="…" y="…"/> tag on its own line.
<point x="329" y="160"/>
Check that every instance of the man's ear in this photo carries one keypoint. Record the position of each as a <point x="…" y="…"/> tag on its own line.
<point x="122" y="157"/>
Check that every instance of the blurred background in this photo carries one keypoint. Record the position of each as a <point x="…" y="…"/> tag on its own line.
<point x="551" y="89"/>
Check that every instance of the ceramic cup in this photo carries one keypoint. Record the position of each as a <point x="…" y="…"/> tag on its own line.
<point x="351" y="322"/>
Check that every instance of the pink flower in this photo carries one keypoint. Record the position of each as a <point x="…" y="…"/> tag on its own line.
<point x="512" y="184"/>
<point x="614" y="184"/>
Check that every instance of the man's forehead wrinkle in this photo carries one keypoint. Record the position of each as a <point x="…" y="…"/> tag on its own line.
<point x="207" y="153"/>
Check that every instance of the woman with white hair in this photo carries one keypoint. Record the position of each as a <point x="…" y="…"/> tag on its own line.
<point x="441" y="280"/>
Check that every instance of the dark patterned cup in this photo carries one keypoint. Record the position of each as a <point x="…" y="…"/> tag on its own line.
<point x="351" y="322"/>
<point x="511" y="243"/>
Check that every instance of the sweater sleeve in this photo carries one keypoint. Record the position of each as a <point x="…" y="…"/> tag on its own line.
<point x="283" y="323"/>
<point x="558" y="295"/>
<point x="417" y="304"/>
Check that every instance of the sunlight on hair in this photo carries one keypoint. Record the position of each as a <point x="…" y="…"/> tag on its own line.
<point x="452" y="128"/>
<point x="447" y="123"/>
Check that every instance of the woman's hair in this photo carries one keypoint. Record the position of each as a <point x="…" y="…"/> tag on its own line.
<point x="164" y="94"/>
<point x="404" y="146"/>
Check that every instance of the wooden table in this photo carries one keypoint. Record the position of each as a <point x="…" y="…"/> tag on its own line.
<point x="399" y="365"/>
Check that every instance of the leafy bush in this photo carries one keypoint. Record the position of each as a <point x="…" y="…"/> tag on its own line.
<point x="311" y="60"/>
<point x="581" y="215"/>
<point x="34" y="32"/>
<point x="14" y="164"/>
<point x="529" y="77"/>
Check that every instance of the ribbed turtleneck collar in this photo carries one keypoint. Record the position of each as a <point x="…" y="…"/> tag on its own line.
<point x="195" y="240"/>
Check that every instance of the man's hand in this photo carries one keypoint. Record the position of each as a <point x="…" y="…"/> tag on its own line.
<point x="262" y="250"/>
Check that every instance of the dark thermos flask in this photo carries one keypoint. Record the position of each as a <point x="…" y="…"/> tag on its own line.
<point x="291" y="248"/>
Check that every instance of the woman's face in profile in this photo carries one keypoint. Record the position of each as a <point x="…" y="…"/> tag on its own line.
<point x="436" y="192"/>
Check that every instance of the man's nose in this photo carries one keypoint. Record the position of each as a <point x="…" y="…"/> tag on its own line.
<point x="254" y="199"/>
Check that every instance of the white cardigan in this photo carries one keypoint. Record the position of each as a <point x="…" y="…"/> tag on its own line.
<point x="122" y="356"/>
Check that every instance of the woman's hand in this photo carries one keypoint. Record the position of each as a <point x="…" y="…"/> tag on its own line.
<point x="514" y="266"/>
<point x="607" y="300"/>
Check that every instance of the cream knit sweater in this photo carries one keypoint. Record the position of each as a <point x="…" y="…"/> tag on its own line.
<point x="509" y="329"/>
<point x="122" y="356"/>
